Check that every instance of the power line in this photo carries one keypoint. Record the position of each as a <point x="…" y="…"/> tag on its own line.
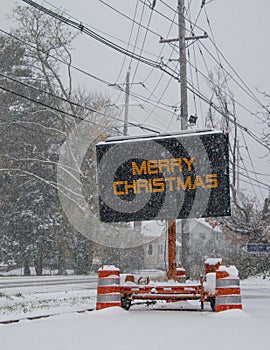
<point x="256" y="185"/>
<point x="205" y="99"/>
<point x="260" y="184"/>
<point x="84" y="29"/>
<point x="47" y="92"/>
<point x="246" y="89"/>
<point x="90" y="75"/>
<point x="126" y="16"/>
<point x="71" y="114"/>
<point x="128" y="44"/>
<point x="249" y="156"/>
<point x="143" y="42"/>
<point x="230" y="114"/>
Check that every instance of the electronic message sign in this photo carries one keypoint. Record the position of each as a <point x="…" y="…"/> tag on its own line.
<point x="164" y="177"/>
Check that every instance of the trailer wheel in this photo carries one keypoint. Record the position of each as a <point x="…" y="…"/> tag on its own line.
<point x="213" y="303"/>
<point x="126" y="302"/>
<point x="202" y="305"/>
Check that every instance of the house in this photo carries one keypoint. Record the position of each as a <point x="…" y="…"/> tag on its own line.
<point x="203" y="239"/>
<point x="156" y="253"/>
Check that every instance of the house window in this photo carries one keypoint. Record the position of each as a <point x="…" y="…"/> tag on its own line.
<point x="150" y="249"/>
<point x="160" y="249"/>
<point x="202" y="235"/>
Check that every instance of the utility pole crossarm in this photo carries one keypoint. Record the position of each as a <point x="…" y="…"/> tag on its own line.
<point x="187" y="38"/>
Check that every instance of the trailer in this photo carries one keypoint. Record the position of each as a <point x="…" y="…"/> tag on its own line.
<point x="170" y="291"/>
<point x="219" y="286"/>
<point x="150" y="292"/>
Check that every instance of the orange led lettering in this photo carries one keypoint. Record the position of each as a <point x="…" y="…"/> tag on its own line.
<point x="152" y="167"/>
<point x="158" y="185"/>
<point x="115" y="189"/>
<point x="198" y="182"/>
<point x="164" y="164"/>
<point x="142" y="184"/>
<point x="130" y="187"/>
<point x="137" y="170"/>
<point x="176" y="163"/>
<point x="170" y="181"/>
<point x="184" y="185"/>
<point x="189" y="162"/>
<point x="211" y="179"/>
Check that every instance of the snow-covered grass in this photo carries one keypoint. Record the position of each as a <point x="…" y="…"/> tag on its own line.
<point x="22" y="297"/>
<point x="19" y="272"/>
<point x="146" y="327"/>
<point x="44" y="303"/>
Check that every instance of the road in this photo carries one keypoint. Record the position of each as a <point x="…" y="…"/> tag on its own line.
<point x="11" y="285"/>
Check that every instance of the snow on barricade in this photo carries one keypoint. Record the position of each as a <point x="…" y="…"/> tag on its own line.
<point x="109" y="268"/>
<point x="213" y="261"/>
<point x="231" y="270"/>
<point x="210" y="283"/>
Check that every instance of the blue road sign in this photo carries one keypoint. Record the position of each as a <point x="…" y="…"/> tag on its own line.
<point x="258" y="247"/>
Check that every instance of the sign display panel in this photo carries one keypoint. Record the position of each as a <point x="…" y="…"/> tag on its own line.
<point x="164" y="177"/>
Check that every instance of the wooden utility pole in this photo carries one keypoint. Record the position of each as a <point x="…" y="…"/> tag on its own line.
<point x="126" y="102"/>
<point x="184" y="119"/>
<point x="183" y="65"/>
<point x="137" y="224"/>
<point x="184" y="124"/>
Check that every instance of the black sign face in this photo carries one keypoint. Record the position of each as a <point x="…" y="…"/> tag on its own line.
<point x="164" y="177"/>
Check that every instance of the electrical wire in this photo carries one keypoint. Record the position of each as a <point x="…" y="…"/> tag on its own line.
<point x="92" y="76"/>
<point x="192" y="88"/>
<point x="128" y="44"/>
<point x="147" y="61"/>
<point x="82" y="28"/>
<point x="250" y="159"/>
<point x="246" y="89"/>
<point x="143" y="42"/>
<point x="68" y="113"/>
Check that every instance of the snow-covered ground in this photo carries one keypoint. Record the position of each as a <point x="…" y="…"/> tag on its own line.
<point x="143" y="327"/>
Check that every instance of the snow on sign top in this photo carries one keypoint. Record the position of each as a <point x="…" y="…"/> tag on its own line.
<point x="179" y="134"/>
<point x="164" y="177"/>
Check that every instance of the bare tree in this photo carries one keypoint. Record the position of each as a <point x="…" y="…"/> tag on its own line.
<point x="223" y="97"/>
<point x="31" y="137"/>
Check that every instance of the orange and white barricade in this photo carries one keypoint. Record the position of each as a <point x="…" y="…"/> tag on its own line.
<point x="227" y="289"/>
<point x="108" y="288"/>
<point x="180" y="274"/>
